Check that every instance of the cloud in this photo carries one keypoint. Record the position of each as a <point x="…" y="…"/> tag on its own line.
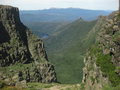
<point x="6" y="1"/>
<point x="42" y="4"/>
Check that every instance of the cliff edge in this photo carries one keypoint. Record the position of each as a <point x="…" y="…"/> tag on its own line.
<point x="22" y="54"/>
<point x="102" y="61"/>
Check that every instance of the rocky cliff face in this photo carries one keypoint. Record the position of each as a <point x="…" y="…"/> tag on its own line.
<point x="102" y="62"/>
<point x="22" y="54"/>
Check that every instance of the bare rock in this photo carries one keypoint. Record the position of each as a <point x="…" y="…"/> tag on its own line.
<point x="21" y="84"/>
<point x="20" y="48"/>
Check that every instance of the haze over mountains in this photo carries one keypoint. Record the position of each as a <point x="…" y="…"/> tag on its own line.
<point x="60" y="15"/>
<point x="47" y="21"/>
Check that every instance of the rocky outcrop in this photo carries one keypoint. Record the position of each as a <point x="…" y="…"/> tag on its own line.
<point x="22" y="54"/>
<point x="80" y="19"/>
<point x="93" y="78"/>
<point x="102" y="59"/>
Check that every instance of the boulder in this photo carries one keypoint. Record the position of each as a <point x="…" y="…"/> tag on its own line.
<point x="21" y="84"/>
<point x="116" y="28"/>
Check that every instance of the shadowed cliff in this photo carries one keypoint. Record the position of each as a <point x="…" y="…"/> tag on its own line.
<point x="22" y="54"/>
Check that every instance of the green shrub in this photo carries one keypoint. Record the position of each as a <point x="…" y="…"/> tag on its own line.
<point x="109" y="30"/>
<point x="106" y="66"/>
<point x="118" y="17"/>
<point x="114" y="78"/>
<point x="109" y="87"/>
<point x="2" y="84"/>
<point x="118" y="68"/>
<point x="82" y="86"/>
<point x="116" y="36"/>
<point x="92" y="79"/>
<point x="90" y="67"/>
<point x="97" y="80"/>
<point x="95" y="49"/>
<point x="104" y="61"/>
<point x="13" y="42"/>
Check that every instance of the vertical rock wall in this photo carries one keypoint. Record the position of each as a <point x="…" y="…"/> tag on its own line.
<point x="22" y="54"/>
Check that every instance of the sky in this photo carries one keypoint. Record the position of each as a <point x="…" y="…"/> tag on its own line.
<point x="46" y="4"/>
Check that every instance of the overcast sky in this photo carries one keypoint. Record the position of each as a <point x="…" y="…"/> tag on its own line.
<point x="45" y="4"/>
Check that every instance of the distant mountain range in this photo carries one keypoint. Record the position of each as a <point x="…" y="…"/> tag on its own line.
<point x="60" y="14"/>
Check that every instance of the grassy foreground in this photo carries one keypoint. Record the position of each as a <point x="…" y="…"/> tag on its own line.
<point x="41" y="86"/>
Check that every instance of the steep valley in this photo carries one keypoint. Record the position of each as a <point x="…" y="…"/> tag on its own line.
<point x="67" y="45"/>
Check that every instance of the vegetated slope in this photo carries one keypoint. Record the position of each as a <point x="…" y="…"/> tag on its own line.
<point x="91" y="36"/>
<point x="60" y="15"/>
<point x="66" y="48"/>
<point x="42" y="28"/>
<point x="22" y="54"/>
<point x="102" y="62"/>
<point x="71" y="33"/>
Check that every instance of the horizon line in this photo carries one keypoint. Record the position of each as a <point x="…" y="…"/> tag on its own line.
<point x="61" y="8"/>
<point x="67" y="8"/>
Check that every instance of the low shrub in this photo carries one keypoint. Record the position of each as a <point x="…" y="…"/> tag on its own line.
<point x="106" y="66"/>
